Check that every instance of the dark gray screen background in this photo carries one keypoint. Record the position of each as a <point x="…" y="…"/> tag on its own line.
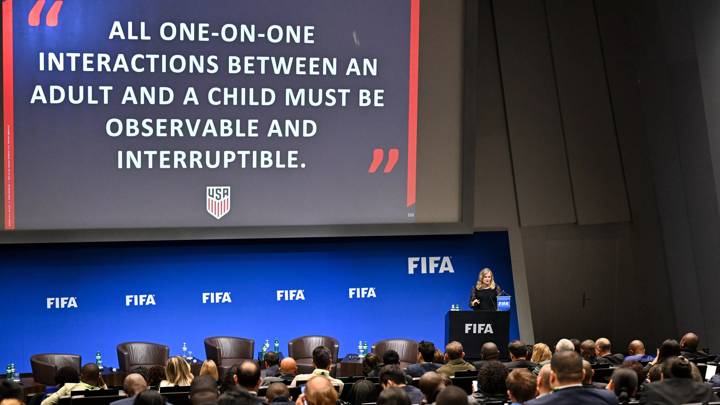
<point x="439" y="151"/>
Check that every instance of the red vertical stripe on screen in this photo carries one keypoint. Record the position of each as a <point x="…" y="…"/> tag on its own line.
<point x="8" y="116"/>
<point x="413" y="100"/>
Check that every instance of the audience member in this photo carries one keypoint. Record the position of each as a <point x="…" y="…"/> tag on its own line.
<point x="90" y="379"/>
<point x="452" y="396"/>
<point x="676" y="386"/>
<point x="454" y="360"/>
<point x="133" y="385"/>
<point x="541" y="353"/>
<point x="319" y="390"/>
<point x="669" y="348"/>
<point x="237" y="397"/>
<point x="209" y="368"/>
<point x="521" y="386"/>
<point x="203" y="390"/>
<point x="247" y="376"/>
<point x="271" y="362"/>
<point x="145" y="373"/>
<point x="518" y="356"/>
<point x="177" y="373"/>
<point x="587" y="350"/>
<point x="393" y="396"/>
<point x="149" y="397"/>
<point x="564" y="345"/>
<point x="588" y="373"/>
<point x="638" y="369"/>
<point x="228" y="380"/>
<point x="566" y="379"/>
<point x="391" y="357"/>
<point x="371" y="365"/>
<point x="11" y="393"/>
<point x="66" y="374"/>
<point x="689" y="344"/>
<point x="576" y="344"/>
<point x="624" y="384"/>
<point x="491" y="383"/>
<point x="604" y="355"/>
<point x="393" y="376"/>
<point x="278" y="394"/>
<point x="636" y="352"/>
<point x="430" y="384"/>
<point x="488" y="352"/>
<point x="543" y="381"/>
<point x="654" y="373"/>
<point x="322" y="360"/>
<point x="154" y="375"/>
<point x="439" y="356"/>
<point x="286" y="372"/>
<point x="425" y="357"/>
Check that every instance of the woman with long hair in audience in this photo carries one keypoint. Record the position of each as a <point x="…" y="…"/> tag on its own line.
<point x="210" y="368"/>
<point x="177" y="373"/>
<point x="540" y="353"/>
<point x="624" y="383"/>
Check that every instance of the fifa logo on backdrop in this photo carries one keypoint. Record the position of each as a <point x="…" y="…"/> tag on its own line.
<point x="479" y="328"/>
<point x="430" y="265"/>
<point x="291" y="295"/>
<point x="61" y="302"/>
<point x="363" y="292"/>
<point x="139" y="300"/>
<point x="216" y="298"/>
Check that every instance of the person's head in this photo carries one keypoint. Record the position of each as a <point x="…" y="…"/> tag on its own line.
<point x="638" y="368"/>
<point x="271" y="359"/>
<point x="690" y="342"/>
<point x="11" y="393"/>
<point x="134" y="384"/>
<point x="454" y="351"/>
<point x="210" y="368"/>
<point x="541" y="352"/>
<point x="491" y="378"/>
<point x="564" y="345"/>
<point x="587" y="349"/>
<point x="489" y="351"/>
<point x="576" y="343"/>
<point x="521" y="385"/>
<point x="485" y="279"/>
<point x="676" y="367"/>
<point x="228" y="379"/>
<point x="543" y="380"/>
<point x="90" y="374"/>
<point x="177" y="371"/>
<point x="237" y="397"/>
<point x="518" y="350"/>
<point x="696" y="374"/>
<point x="668" y="348"/>
<point x="149" y="397"/>
<point x="391" y="357"/>
<point x="370" y="362"/>
<point x="320" y="391"/>
<point x="439" y="356"/>
<point x="655" y="373"/>
<point x="567" y="368"/>
<point x="431" y="383"/>
<point x="636" y="347"/>
<point x="391" y="376"/>
<point x="322" y="358"/>
<point x="426" y="352"/>
<point x="203" y="390"/>
<point x="587" y="373"/>
<point x="393" y="396"/>
<point x="248" y="375"/>
<point x="277" y="390"/>
<point x="288" y="365"/>
<point x="602" y="347"/>
<point x="155" y="374"/>
<point x="623" y="383"/>
<point x="452" y="396"/>
<point x="66" y="374"/>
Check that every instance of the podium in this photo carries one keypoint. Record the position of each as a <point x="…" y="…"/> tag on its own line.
<point x="474" y="328"/>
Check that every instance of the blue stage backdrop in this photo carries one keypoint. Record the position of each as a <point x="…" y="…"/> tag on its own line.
<point x="87" y="298"/>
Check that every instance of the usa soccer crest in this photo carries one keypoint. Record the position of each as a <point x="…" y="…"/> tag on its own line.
<point x="218" y="201"/>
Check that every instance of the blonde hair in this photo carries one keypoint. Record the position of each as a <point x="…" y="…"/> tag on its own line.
<point x="541" y="352"/>
<point x="177" y="372"/>
<point x="483" y="272"/>
<point x="210" y="368"/>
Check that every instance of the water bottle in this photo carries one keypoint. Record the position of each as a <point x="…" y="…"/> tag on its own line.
<point x="9" y="372"/>
<point x="98" y="360"/>
<point x="276" y="345"/>
<point x="265" y="348"/>
<point x="365" y="347"/>
<point x="15" y="374"/>
<point x="190" y="357"/>
<point x="184" y="351"/>
<point x="360" y="349"/>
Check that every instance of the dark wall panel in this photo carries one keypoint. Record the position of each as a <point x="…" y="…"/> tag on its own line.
<point x="592" y="148"/>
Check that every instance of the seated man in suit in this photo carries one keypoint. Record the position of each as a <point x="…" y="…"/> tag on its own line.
<point x="488" y="352"/>
<point x="271" y="362"/>
<point x="426" y="355"/>
<point x="318" y="391"/>
<point x="518" y="356"/>
<point x="132" y="385"/>
<point x="689" y="347"/>
<point x="278" y="394"/>
<point x="603" y="353"/>
<point x="392" y="376"/>
<point x="431" y="383"/>
<point x="286" y="372"/>
<point x="676" y="386"/>
<point x="587" y="350"/>
<point x="521" y="386"/>
<point x="566" y="379"/>
<point x="322" y="360"/>
<point x="247" y="376"/>
<point x="203" y="390"/>
<point x="636" y="352"/>
<point x="454" y="360"/>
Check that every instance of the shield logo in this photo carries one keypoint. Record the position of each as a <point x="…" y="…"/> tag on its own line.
<point x="217" y="200"/>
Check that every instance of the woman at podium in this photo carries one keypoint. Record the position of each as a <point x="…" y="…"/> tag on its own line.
<point x="483" y="296"/>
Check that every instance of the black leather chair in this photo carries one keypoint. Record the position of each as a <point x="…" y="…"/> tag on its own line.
<point x="301" y="349"/>
<point x="406" y="348"/>
<point x="45" y="366"/>
<point x="141" y="354"/>
<point x="227" y="351"/>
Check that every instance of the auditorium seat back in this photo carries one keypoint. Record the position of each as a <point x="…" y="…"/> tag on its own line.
<point x="406" y="348"/>
<point x="141" y="354"/>
<point x="301" y="349"/>
<point x="45" y="366"/>
<point x="227" y="351"/>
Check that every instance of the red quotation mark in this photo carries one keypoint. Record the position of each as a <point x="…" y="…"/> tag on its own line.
<point x="379" y="155"/>
<point x="51" y="19"/>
